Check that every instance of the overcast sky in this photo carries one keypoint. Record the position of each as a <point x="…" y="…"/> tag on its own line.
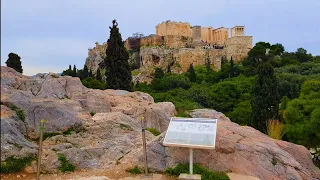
<point x="51" y="34"/>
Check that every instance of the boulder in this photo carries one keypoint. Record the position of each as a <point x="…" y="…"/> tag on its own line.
<point x="239" y="149"/>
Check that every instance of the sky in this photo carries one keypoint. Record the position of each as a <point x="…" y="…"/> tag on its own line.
<point x="49" y="35"/>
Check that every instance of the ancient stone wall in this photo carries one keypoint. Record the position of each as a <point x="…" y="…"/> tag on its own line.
<point x="177" y="41"/>
<point x="132" y="43"/>
<point x="238" y="47"/>
<point x="153" y="40"/>
<point x="237" y="31"/>
<point x="173" y="28"/>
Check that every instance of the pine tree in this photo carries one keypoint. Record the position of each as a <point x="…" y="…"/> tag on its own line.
<point x="232" y="71"/>
<point x="70" y="68"/>
<point x="14" y="62"/>
<point x="265" y="97"/>
<point x="90" y="74"/>
<point x="118" y="71"/>
<point x="191" y="74"/>
<point x="98" y="76"/>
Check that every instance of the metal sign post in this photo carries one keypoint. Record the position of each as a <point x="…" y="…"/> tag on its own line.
<point x="144" y="147"/>
<point x="40" y="148"/>
<point x="191" y="160"/>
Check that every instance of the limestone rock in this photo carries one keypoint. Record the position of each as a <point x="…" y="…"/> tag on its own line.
<point x="208" y="113"/>
<point x="239" y="149"/>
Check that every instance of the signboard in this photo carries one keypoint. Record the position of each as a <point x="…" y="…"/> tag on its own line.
<point x="192" y="133"/>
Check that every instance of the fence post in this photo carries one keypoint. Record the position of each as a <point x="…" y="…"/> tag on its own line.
<point x="40" y="148"/>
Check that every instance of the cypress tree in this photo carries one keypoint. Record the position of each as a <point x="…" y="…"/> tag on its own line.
<point x="232" y="71"/>
<point x="265" y="97"/>
<point x="98" y="76"/>
<point x="207" y="62"/>
<point x="118" y="71"/>
<point x="158" y="73"/>
<point x="70" y="68"/>
<point x="90" y="74"/>
<point x="85" y="71"/>
<point x="192" y="74"/>
<point x="74" y="71"/>
<point x="14" y="62"/>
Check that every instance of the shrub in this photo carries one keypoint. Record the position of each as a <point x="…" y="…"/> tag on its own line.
<point x="154" y="131"/>
<point x="20" y="113"/>
<point x="92" y="113"/>
<point x="275" y="129"/>
<point x="134" y="170"/>
<point x="12" y="164"/>
<point x="125" y="127"/>
<point x="65" y="165"/>
<point x="197" y="169"/>
<point x="90" y="82"/>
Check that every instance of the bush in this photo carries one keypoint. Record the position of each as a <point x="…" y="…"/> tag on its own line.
<point x="197" y="169"/>
<point x="90" y="82"/>
<point x="20" y="113"/>
<point x="12" y="164"/>
<point x="92" y="113"/>
<point x="170" y="81"/>
<point x="65" y="165"/>
<point x="154" y="131"/>
<point x="134" y="170"/>
<point x="125" y="127"/>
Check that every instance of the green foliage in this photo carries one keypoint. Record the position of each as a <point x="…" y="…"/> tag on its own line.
<point x="265" y="98"/>
<point x="134" y="170"/>
<point x="197" y="169"/>
<point x="14" y="61"/>
<point x="49" y="134"/>
<point x="98" y="75"/>
<point x="70" y="72"/>
<point x="158" y="73"/>
<point x="118" y="69"/>
<point x="12" y="164"/>
<point x="191" y="74"/>
<point x="302" y="116"/>
<point x="170" y="81"/>
<point x="125" y="127"/>
<point x="90" y="82"/>
<point x="92" y="113"/>
<point x="135" y="72"/>
<point x="154" y="131"/>
<point x="20" y="113"/>
<point x="241" y="113"/>
<point x="65" y="165"/>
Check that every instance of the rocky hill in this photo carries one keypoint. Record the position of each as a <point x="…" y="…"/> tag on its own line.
<point x="100" y="129"/>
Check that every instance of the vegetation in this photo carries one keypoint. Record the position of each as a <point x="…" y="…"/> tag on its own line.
<point x="270" y="84"/>
<point x="118" y="69"/>
<point x="20" y="113"/>
<point x="125" y="127"/>
<point x="134" y="170"/>
<point x="13" y="164"/>
<point x="14" y="61"/>
<point x="275" y="129"/>
<point x="65" y="165"/>
<point x="92" y="113"/>
<point x="154" y="131"/>
<point x="197" y="169"/>
<point x="90" y="82"/>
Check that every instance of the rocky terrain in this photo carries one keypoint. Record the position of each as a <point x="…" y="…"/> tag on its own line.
<point x="96" y="129"/>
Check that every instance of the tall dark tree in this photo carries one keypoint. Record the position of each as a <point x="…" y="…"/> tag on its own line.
<point x="232" y="70"/>
<point x="70" y="68"/>
<point x="14" y="61"/>
<point x="191" y="74"/>
<point x="118" y="71"/>
<point x="265" y="97"/>
<point x="207" y="62"/>
<point x="85" y="71"/>
<point x="158" y="73"/>
<point x="74" y="71"/>
<point x="98" y="76"/>
<point x="168" y="68"/>
<point x="90" y="74"/>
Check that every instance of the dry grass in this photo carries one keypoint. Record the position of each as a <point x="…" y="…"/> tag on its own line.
<point x="275" y="129"/>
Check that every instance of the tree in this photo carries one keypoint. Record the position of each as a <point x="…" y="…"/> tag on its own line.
<point x="85" y="71"/>
<point x="158" y="73"/>
<point x="191" y="74"/>
<point x="277" y="49"/>
<point x="168" y="68"/>
<point x="98" y="76"/>
<point x="207" y="63"/>
<point x="302" y="55"/>
<point x="232" y="71"/>
<point x="265" y="97"/>
<point x="74" y="71"/>
<point x="118" y="69"/>
<point x="14" y="61"/>
<point x="90" y="74"/>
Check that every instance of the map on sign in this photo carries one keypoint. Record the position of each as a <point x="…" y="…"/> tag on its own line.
<point x="191" y="132"/>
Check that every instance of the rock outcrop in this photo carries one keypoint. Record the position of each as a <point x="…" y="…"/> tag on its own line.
<point x="70" y="129"/>
<point x="239" y="149"/>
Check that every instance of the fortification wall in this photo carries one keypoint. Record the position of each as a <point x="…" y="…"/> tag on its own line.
<point x="238" y="47"/>
<point x="177" y="41"/>
<point x="197" y="57"/>
<point x="153" y="40"/>
<point x="173" y="28"/>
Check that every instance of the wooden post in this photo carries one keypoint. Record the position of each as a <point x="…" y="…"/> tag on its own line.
<point x="144" y="146"/>
<point x="40" y="148"/>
